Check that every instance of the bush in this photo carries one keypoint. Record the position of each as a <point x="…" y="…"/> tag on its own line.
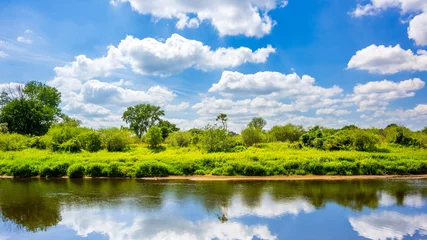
<point x="152" y="169"/>
<point x="154" y="136"/>
<point x="364" y="141"/>
<point x="76" y="171"/>
<point x="25" y="170"/>
<point x="37" y="142"/>
<point x="90" y="141"/>
<point x="96" y="170"/>
<point x="57" y="170"/>
<point x="13" y="142"/>
<point x="216" y="139"/>
<point x="289" y="132"/>
<point x="113" y="170"/>
<point x="251" y="136"/>
<point x="180" y="139"/>
<point x="115" y="140"/>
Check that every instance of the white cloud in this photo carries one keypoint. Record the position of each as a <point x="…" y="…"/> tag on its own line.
<point x="268" y="208"/>
<point x="89" y="221"/>
<point x="374" y="96"/>
<point x="98" y="92"/>
<point x="416" y="30"/>
<point x="388" y="60"/>
<point x="229" y="17"/>
<point x="177" y="107"/>
<point x="23" y="39"/>
<point x="150" y="56"/>
<point x="332" y="111"/>
<point x="270" y="83"/>
<point x="247" y="107"/>
<point x="389" y="225"/>
<point x="28" y="31"/>
<point x="3" y="54"/>
<point x="87" y="110"/>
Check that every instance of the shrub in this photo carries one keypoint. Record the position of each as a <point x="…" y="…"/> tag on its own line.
<point x="216" y="139"/>
<point x="23" y="170"/>
<point x="154" y="136"/>
<point x="37" y="142"/>
<point x="96" y="170"/>
<point x="364" y="141"/>
<point x="251" y="136"/>
<point x="4" y="128"/>
<point x="113" y="170"/>
<point x="57" y="170"/>
<point x="73" y="145"/>
<point x="180" y="139"/>
<point x="289" y="132"/>
<point x="115" y="140"/>
<point x="76" y="171"/>
<point x="152" y="169"/>
<point x="13" y="142"/>
<point x="90" y="141"/>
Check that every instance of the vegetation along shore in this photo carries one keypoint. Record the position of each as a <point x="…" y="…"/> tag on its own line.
<point x="36" y="139"/>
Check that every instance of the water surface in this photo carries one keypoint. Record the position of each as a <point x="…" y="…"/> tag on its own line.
<point x="136" y="209"/>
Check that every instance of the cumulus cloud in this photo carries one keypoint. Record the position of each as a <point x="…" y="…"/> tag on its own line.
<point x="388" y="60"/>
<point x="3" y="54"/>
<point x="89" y="221"/>
<point x="23" y="39"/>
<point x="389" y="225"/>
<point x="268" y="208"/>
<point x="416" y="30"/>
<point x="150" y="56"/>
<point x="235" y="17"/>
<point x="270" y="83"/>
<point x="98" y="92"/>
<point x="177" y="107"/>
<point x="332" y="111"/>
<point x="374" y="96"/>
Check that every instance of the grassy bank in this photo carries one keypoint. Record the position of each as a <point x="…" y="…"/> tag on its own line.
<point x="263" y="160"/>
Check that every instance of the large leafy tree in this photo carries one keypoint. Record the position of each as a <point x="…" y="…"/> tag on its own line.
<point x="257" y="122"/>
<point x="29" y="109"/>
<point x="142" y="116"/>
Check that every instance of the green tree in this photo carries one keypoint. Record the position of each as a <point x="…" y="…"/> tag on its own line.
<point x="251" y="136"/>
<point x="30" y="109"/>
<point x="167" y="128"/>
<point x="154" y="136"/>
<point x="141" y="117"/>
<point x="222" y="117"/>
<point x="216" y="139"/>
<point x="257" y="122"/>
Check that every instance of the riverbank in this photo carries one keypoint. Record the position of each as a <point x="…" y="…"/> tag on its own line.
<point x="266" y="160"/>
<point x="262" y="178"/>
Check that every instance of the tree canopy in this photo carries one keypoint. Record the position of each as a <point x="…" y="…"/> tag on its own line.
<point x="29" y="109"/>
<point x="141" y="117"/>
<point x="257" y="122"/>
<point x="222" y="117"/>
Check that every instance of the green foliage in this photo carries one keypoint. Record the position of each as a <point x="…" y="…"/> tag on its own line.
<point x="288" y="132"/>
<point x="222" y="117"/>
<point x="257" y="122"/>
<point x="13" y="142"/>
<point x="167" y="128"/>
<point x="4" y="128"/>
<point x="152" y="169"/>
<point x="313" y="138"/>
<point x="142" y="117"/>
<point x="25" y="170"/>
<point x="251" y="136"/>
<point x="76" y="171"/>
<point x="216" y="139"/>
<point x="30" y="109"/>
<point x="96" y="170"/>
<point x="54" y="170"/>
<point x="364" y="141"/>
<point x="115" y="140"/>
<point x="180" y="139"/>
<point x="154" y="136"/>
<point x="90" y="141"/>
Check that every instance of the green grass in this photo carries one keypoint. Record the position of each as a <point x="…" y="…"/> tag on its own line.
<point x="262" y="160"/>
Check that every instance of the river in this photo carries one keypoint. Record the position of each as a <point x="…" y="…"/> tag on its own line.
<point x="138" y="209"/>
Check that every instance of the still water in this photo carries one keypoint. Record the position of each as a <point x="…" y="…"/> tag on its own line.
<point x="136" y="209"/>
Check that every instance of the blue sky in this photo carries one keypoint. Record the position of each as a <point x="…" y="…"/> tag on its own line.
<point x="305" y="62"/>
